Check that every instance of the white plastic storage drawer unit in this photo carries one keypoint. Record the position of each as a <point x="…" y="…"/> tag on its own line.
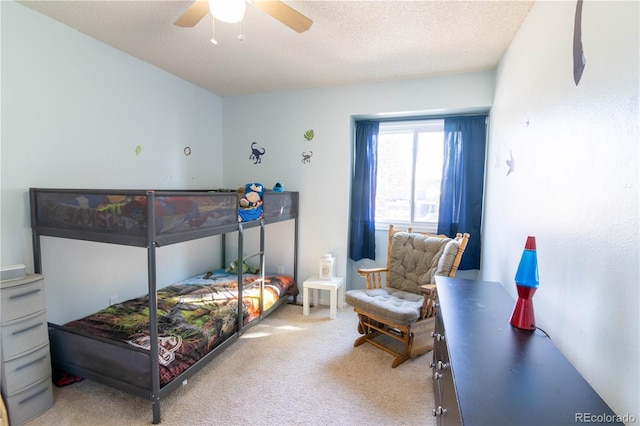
<point x="24" y="355"/>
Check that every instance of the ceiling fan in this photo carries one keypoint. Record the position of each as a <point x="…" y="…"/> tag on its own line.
<point x="218" y="8"/>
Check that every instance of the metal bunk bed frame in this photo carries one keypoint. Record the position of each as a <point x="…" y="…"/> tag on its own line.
<point x="141" y="356"/>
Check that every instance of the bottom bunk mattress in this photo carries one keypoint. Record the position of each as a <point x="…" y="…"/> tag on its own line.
<point x="195" y="316"/>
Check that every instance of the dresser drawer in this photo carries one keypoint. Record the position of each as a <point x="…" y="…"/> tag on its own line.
<point x="22" y="297"/>
<point x="22" y="336"/>
<point x="26" y="370"/>
<point x="31" y="402"/>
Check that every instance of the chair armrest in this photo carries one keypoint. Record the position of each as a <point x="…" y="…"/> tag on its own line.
<point x="429" y="304"/>
<point x="364" y="271"/>
<point x="373" y="276"/>
<point x="428" y="288"/>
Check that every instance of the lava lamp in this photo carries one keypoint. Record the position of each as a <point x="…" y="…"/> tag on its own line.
<point x="526" y="284"/>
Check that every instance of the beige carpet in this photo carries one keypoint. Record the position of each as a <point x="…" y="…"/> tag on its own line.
<point x="287" y="370"/>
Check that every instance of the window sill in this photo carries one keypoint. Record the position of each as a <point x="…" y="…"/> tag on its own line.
<point x="428" y="227"/>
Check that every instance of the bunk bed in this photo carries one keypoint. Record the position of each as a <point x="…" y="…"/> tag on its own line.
<point x="204" y="314"/>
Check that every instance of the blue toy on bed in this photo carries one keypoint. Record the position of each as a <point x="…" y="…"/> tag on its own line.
<point x="251" y="202"/>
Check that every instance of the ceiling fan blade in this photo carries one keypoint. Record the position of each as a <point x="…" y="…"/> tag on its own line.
<point x="193" y="15"/>
<point x="285" y="14"/>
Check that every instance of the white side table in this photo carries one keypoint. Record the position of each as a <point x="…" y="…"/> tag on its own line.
<point x="336" y="293"/>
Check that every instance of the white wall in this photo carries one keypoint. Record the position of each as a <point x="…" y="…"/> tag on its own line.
<point x="278" y="121"/>
<point x="73" y="112"/>
<point x="575" y="186"/>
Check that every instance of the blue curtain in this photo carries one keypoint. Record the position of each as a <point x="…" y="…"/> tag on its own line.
<point x="463" y="183"/>
<point x="362" y="243"/>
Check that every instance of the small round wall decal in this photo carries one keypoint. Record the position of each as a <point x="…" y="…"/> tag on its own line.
<point x="138" y="149"/>
<point x="308" y="135"/>
<point x="187" y="151"/>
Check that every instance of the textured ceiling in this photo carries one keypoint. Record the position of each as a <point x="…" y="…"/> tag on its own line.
<point x="349" y="41"/>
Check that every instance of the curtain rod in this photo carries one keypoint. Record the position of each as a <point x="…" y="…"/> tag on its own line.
<point x="423" y="117"/>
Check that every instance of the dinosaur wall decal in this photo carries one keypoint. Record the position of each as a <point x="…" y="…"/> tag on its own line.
<point x="256" y="154"/>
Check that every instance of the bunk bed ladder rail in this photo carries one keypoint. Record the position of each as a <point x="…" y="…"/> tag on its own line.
<point x="241" y="258"/>
<point x="153" y="308"/>
<point x="262" y="265"/>
<point x="240" y="318"/>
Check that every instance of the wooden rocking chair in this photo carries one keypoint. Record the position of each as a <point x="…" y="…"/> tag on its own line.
<point x="402" y="306"/>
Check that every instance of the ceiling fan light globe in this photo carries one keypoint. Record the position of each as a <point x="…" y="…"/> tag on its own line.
<point x="231" y="11"/>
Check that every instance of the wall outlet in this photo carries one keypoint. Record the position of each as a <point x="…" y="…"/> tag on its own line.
<point x="113" y="300"/>
<point x="280" y="270"/>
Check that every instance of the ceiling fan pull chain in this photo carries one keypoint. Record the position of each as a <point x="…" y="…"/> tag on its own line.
<point x="241" y="35"/>
<point x="213" y="31"/>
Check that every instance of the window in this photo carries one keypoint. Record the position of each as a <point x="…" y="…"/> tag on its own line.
<point x="410" y="160"/>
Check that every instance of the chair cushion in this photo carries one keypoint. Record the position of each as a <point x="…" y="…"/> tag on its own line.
<point x="388" y="304"/>
<point x="415" y="260"/>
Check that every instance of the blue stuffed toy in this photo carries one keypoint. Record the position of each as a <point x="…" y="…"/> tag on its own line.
<point x="252" y="196"/>
<point x="251" y="202"/>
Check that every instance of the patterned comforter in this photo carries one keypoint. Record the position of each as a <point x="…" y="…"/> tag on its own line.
<point x="194" y="316"/>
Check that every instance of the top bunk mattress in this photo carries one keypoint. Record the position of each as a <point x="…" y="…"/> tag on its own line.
<point x="137" y="217"/>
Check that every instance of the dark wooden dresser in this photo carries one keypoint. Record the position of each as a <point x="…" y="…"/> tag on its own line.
<point x="487" y="372"/>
